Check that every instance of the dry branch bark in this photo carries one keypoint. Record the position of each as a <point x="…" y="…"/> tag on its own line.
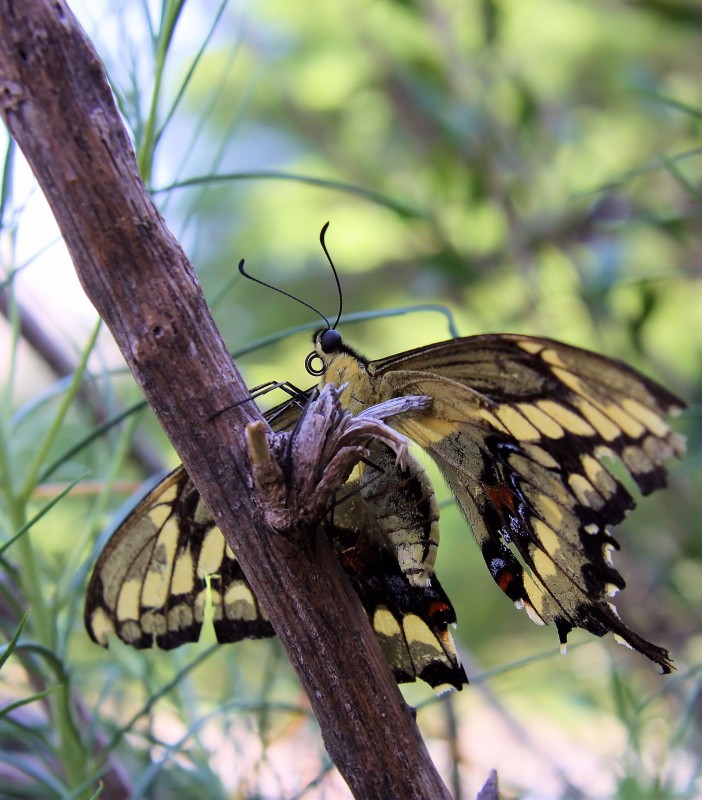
<point x="56" y="102"/>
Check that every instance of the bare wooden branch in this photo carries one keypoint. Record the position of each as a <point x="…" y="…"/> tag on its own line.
<point x="57" y="104"/>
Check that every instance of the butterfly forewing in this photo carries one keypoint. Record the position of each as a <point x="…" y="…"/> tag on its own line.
<point x="518" y="427"/>
<point x="161" y="569"/>
<point x="166" y="563"/>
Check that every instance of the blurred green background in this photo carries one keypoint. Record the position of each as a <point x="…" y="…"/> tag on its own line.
<point x="510" y="166"/>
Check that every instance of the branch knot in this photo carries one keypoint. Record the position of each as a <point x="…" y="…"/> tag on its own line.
<point x="297" y="474"/>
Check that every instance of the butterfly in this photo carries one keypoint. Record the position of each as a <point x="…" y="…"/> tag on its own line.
<point x="518" y="426"/>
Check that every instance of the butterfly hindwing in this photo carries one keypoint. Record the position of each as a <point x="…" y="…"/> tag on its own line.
<point x="410" y="621"/>
<point x="385" y="533"/>
<point x="395" y="508"/>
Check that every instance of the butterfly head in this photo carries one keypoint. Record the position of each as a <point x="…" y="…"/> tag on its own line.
<point x="327" y="346"/>
<point x="332" y="360"/>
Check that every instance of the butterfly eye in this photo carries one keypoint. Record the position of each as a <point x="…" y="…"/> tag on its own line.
<point x="330" y="341"/>
<point x="327" y="341"/>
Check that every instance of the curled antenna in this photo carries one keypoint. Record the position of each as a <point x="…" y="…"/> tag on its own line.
<point x="322" y="234"/>
<point x="297" y="299"/>
<point x="282" y="291"/>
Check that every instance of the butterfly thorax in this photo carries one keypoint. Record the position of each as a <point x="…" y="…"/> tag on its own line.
<point x="345" y="367"/>
<point x="395" y="508"/>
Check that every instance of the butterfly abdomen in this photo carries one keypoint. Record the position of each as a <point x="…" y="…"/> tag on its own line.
<point x="406" y="513"/>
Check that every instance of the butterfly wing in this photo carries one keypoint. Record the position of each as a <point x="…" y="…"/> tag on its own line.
<point x="385" y="533"/>
<point x="167" y="560"/>
<point x="152" y="582"/>
<point x="518" y="427"/>
<point x="410" y="621"/>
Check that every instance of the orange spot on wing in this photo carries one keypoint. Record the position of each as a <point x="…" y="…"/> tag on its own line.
<point x="438" y="607"/>
<point x="500" y="497"/>
<point x="504" y="579"/>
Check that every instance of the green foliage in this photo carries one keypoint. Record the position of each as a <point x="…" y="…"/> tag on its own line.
<point x="529" y="166"/>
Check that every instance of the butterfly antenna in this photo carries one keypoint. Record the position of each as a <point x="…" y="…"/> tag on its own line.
<point x="283" y="292"/>
<point x="335" y="273"/>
